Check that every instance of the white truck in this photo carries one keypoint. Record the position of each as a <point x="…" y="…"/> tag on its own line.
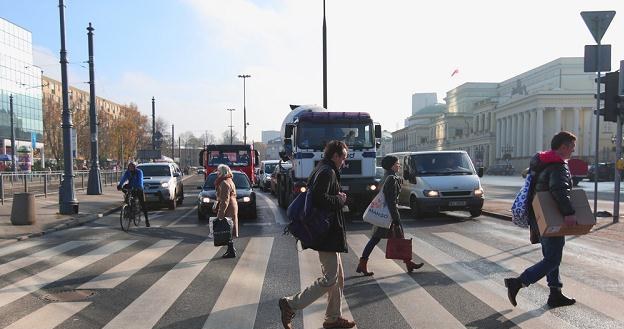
<point x="306" y="130"/>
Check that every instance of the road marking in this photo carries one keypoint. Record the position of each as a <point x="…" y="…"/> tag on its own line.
<point x="120" y="273"/>
<point x="33" y="283"/>
<point x="18" y="246"/>
<point x="279" y="218"/>
<point x="257" y="224"/>
<point x="39" y="256"/>
<point x="592" y="297"/>
<point x="183" y="216"/>
<point x="309" y="271"/>
<point x="49" y="316"/>
<point x="526" y="315"/>
<point x="402" y="290"/>
<point x="153" y="303"/>
<point x="237" y="305"/>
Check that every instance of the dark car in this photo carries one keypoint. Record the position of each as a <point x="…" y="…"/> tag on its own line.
<point x="245" y="196"/>
<point x="279" y="169"/>
<point x="606" y="172"/>
<point x="505" y="169"/>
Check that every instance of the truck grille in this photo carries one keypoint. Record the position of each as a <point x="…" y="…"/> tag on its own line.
<point x="351" y="167"/>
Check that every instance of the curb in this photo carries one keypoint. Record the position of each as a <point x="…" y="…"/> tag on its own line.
<point x="496" y="215"/>
<point x="68" y="223"/>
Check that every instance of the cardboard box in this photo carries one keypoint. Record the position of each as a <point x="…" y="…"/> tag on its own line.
<point x="550" y="220"/>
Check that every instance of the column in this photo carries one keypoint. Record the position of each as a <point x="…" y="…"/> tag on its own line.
<point x="508" y="139"/>
<point x="587" y="132"/>
<point x="483" y="122"/>
<point x="498" y="138"/>
<point x="539" y="129"/>
<point x="576" y="123"/>
<point x="557" y="119"/>
<point x="592" y="137"/>
<point x="492" y="122"/>
<point x="526" y="134"/>
<point x="514" y="135"/>
<point x="532" y="132"/>
<point x="519" y="140"/>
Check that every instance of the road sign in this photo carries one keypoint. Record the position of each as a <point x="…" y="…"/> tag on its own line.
<point x="598" y="22"/>
<point x="591" y="58"/>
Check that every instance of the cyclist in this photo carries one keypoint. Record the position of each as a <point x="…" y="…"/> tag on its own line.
<point x="134" y="178"/>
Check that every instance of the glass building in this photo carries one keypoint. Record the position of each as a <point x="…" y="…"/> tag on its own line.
<point x="22" y="80"/>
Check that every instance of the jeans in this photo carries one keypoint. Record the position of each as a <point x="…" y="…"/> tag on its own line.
<point x="552" y="249"/>
<point x="369" y="247"/>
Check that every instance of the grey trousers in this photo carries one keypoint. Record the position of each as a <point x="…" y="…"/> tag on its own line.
<point x="332" y="283"/>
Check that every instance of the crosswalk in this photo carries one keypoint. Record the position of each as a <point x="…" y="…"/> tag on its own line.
<point x="153" y="284"/>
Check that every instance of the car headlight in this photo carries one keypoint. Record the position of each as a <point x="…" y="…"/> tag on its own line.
<point x="371" y="187"/>
<point x="303" y="189"/>
<point x="165" y="185"/>
<point x="431" y="193"/>
<point x="478" y="192"/>
<point x="205" y="200"/>
<point x="246" y="199"/>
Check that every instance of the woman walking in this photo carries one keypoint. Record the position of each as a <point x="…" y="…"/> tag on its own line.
<point x="227" y="205"/>
<point x="391" y="189"/>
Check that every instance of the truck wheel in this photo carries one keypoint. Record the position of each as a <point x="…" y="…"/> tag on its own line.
<point x="475" y="212"/>
<point x="416" y="212"/>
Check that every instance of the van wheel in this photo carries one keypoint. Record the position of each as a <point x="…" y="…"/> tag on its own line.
<point x="475" y="212"/>
<point x="416" y="212"/>
<point x="172" y="204"/>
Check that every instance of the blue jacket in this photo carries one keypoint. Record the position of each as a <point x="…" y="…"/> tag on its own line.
<point x="134" y="180"/>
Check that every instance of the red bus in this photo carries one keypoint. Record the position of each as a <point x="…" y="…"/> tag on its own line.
<point x="238" y="157"/>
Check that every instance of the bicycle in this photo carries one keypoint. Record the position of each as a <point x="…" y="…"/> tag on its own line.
<point x="130" y="211"/>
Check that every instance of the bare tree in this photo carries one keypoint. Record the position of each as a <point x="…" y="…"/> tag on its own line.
<point x="226" y="138"/>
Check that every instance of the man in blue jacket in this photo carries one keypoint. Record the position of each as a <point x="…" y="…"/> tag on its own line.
<point x="134" y="177"/>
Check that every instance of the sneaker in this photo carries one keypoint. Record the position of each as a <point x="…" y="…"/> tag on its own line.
<point x="210" y="236"/>
<point x="339" y="323"/>
<point x="287" y="313"/>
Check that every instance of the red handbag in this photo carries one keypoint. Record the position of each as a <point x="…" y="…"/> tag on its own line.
<point x="398" y="247"/>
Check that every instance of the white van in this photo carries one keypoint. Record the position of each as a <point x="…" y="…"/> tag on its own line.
<point x="439" y="181"/>
<point x="264" y="176"/>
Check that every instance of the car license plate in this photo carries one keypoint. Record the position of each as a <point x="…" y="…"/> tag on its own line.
<point x="457" y="203"/>
<point x="345" y="187"/>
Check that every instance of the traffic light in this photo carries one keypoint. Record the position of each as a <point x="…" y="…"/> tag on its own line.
<point x="610" y="96"/>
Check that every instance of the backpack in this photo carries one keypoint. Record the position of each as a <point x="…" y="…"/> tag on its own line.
<point x="520" y="206"/>
<point x="308" y="224"/>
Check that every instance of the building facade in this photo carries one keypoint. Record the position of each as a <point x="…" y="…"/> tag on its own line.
<point x="268" y="135"/>
<point x="21" y="79"/>
<point x="512" y="120"/>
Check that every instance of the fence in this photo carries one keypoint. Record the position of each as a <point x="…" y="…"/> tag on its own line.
<point x="44" y="183"/>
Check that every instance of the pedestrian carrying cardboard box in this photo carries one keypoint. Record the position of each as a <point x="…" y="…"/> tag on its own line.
<point x="550" y="220"/>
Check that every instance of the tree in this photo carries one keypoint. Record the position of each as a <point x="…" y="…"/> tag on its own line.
<point x="225" y="137"/>
<point x="52" y="131"/>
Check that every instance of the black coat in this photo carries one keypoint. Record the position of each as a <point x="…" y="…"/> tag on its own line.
<point x="325" y="188"/>
<point x="391" y="190"/>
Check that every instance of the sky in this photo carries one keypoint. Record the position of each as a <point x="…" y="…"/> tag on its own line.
<point x="188" y="53"/>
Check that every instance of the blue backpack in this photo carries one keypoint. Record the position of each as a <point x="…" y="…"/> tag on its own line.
<point x="520" y="206"/>
<point x="308" y="224"/>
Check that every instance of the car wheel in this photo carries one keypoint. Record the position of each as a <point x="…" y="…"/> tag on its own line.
<point x="181" y="198"/>
<point x="253" y="214"/>
<point x="475" y="212"/>
<point x="172" y="204"/>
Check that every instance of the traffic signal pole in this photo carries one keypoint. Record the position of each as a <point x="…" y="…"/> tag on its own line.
<point x="596" y="160"/>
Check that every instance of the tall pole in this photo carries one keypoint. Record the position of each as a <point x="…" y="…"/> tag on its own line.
<point x="67" y="195"/>
<point x="324" y="58"/>
<point x="172" y="142"/>
<point x="596" y="159"/>
<point x="244" y="76"/>
<point x="179" y="149"/>
<point x="153" y="123"/>
<point x="13" y="146"/>
<point x="95" y="184"/>
<point x="231" y="133"/>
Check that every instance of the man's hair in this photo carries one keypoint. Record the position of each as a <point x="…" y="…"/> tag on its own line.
<point x="563" y="137"/>
<point x="334" y="147"/>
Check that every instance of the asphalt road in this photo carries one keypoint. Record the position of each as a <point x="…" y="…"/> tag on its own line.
<point x="171" y="276"/>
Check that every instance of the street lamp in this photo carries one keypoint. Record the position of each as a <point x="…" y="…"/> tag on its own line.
<point x="244" y="76"/>
<point x="231" y="134"/>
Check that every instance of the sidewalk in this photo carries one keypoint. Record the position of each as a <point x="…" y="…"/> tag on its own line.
<point x="48" y="219"/>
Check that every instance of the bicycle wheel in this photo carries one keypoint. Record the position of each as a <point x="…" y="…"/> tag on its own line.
<point x="137" y="217"/>
<point x="124" y="218"/>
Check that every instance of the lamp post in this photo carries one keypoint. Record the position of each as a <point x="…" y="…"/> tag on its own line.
<point x="12" y="134"/>
<point x="153" y="123"/>
<point x="244" y="77"/>
<point x="67" y="195"/>
<point x="231" y="133"/>
<point x="95" y="184"/>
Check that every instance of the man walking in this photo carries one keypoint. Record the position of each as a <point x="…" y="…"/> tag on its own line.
<point x="550" y="173"/>
<point x="326" y="194"/>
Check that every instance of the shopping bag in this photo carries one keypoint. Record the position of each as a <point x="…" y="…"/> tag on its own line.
<point x="377" y="212"/>
<point x="398" y="247"/>
<point x="520" y="206"/>
<point x="222" y="231"/>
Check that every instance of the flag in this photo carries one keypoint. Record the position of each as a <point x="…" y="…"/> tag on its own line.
<point x="456" y="71"/>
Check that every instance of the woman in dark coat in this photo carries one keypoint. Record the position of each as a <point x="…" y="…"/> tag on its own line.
<point x="391" y="189"/>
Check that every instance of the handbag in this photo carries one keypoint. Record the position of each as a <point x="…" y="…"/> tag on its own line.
<point x="222" y="231"/>
<point x="520" y="206"/>
<point x="377" y="212"/>
<point x="398" y="247"/>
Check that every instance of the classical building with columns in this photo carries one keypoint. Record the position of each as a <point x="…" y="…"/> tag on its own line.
<point x="512" y="120"/>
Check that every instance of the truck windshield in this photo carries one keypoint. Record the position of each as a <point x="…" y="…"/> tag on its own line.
<point x="432" y="164"/>
<point x="312" y="135"/>
<point x="230" y="158"/>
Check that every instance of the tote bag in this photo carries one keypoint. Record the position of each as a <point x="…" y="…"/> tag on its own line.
<point x="398" y="247"/>
<point x="377" y="212"/>
<point x="520" y="206"/>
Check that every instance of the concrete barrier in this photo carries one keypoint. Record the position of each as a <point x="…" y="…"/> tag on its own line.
<point x="23" y="209"/>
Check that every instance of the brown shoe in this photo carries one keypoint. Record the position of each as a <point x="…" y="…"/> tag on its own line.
<point x="287" y="313"/>
<point x="411" y="266"/>
<point x="362" y="267"/>
<point x="339" y="323"/>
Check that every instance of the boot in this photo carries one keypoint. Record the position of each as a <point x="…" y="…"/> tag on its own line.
<point x="411" y="266"/>
<point x="361" y="268"/>
<point x="147" y="224"/>
<point x="513" y="286"/>
<point x="557" y="299"/>
<point x="287" y="313"/>
<point x="231" y="252"/>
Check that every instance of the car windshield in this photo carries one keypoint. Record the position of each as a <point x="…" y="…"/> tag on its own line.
<point x="312" y="135"/>
<point x="149" y="171"/>
<point x="230" y="158"/>
<point x="441" y="164"/>
<point x="240" y="181"/>
<point x="269" y="167"/>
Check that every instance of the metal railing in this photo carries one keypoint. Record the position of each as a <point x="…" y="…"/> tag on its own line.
<point x="44" y="183"/>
